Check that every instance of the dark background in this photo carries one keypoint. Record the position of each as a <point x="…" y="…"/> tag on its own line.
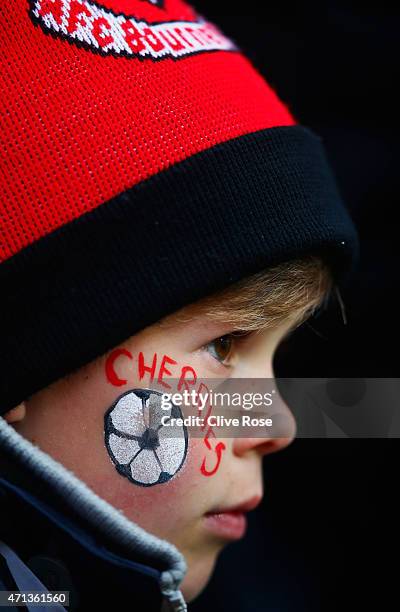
<point x="326" y="535"/>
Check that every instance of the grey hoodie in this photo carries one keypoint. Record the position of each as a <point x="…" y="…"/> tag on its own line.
<point x="90" y="545"/>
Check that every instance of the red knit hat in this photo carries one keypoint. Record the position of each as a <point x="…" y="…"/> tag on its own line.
<point x="145" y="164"/>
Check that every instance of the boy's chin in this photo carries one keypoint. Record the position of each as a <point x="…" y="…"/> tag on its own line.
<point x="197" y="577"/>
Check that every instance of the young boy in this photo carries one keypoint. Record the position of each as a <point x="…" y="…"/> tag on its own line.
<point x="163" y="217"/>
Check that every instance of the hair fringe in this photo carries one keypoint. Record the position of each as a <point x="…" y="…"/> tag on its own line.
<point x="294" y="289"/>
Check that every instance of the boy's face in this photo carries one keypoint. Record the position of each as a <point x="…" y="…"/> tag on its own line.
<point x="66" y="420"/>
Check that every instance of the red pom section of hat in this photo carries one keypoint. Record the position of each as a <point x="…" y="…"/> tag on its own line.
<point x="86" y="117"/>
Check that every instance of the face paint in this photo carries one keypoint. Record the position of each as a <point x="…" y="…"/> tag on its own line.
<point x="143" y="449"/>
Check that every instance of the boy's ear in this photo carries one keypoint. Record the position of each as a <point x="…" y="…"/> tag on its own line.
<point x="15" y="414"/>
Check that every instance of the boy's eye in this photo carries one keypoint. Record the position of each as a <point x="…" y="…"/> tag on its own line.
<point x="220" y="348"/>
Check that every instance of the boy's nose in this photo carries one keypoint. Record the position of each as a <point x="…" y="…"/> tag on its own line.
<point x="264" y="446"/>
<point x="268" y="439"/>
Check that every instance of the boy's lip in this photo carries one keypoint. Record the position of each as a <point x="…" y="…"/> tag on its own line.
<point x="245" y="506"/>
<point x="230" y="522"/>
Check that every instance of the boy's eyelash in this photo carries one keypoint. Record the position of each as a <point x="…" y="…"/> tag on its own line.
<point x="240" y="333"/>
<point x="234" y="335"/>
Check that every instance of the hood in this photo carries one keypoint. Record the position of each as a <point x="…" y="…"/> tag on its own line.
<point x="40" y="491"/>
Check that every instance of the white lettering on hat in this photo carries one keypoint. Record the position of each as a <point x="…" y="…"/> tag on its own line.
<point x="87" y="24"/>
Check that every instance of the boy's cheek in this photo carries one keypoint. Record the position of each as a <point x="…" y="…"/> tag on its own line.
<point x="162" y="506"/>
<point x="76" y="420"/>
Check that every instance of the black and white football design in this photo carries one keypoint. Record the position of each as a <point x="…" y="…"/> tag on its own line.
<point x="143" y="449"/>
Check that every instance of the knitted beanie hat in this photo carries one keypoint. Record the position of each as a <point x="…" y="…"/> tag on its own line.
<point x="145" y="164"/>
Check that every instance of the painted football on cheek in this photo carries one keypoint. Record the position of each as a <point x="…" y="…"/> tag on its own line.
<point x="141" y="447"/>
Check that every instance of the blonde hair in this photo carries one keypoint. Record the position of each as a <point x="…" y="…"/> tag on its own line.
<point x="264" y="300"/>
